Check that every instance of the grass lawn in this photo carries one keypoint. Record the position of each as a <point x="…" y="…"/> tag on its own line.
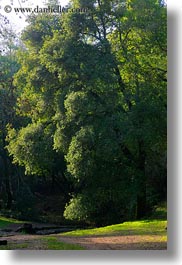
<point x="146" y="227"/>
<point x="54" y="244"/>
<point x="44" y="243"/>
<point x="7" y="221"/>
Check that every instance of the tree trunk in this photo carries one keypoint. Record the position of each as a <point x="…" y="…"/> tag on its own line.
<point x="7" y="179"/>
<point x="142" y="193"/>
<point x="7" y="184"/>
<point x="141" y="202"/>
<point x="53" y="181"/>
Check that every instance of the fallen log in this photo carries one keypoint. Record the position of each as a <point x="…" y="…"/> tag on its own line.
<point x="26" y="228"/>
<point x="3" y="242"/>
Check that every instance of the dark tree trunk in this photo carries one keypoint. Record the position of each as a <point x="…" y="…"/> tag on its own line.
<point x="142" y="193"/>
<point x="141" y="202"/>
<point x="7" y="179"/>
<point x="53" y="183"/>
<point x="7" y="184"/>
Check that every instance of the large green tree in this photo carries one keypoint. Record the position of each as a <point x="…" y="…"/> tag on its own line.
<point x="139" y="43"/>
<point x="94" y="88"/>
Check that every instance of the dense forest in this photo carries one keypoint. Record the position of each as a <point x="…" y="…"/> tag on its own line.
<point x="83" y="102"/>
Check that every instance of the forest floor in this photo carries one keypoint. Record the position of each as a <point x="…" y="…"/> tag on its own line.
<point x="141" y="235"/>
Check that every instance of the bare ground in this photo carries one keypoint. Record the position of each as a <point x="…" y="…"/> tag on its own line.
<point x="113" y="242"/>
<point x="118" y="242"/>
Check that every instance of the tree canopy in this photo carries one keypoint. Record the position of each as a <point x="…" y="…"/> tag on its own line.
<point x="91" y="106"/>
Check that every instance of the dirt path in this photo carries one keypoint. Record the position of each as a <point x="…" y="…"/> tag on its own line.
<point x="137" y="242"/>
<point x="118" y="242"/>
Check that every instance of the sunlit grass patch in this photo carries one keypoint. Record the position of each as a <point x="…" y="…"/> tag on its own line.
<point x="15" y="246"/>
<point x="53" y="244"/>
<point x="128" y="228"/>
<point x="7" y="221"/>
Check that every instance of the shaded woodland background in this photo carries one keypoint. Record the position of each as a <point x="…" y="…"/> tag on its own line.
<point x="83" y="104"/>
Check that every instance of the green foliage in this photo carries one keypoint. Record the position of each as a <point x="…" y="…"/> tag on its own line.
<point x="160" y="211"/>
<point x="30" y="148"/>
<point x="8" y="67"/>
<point x="77" y="209"/>
<point x="92" y="87"/>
